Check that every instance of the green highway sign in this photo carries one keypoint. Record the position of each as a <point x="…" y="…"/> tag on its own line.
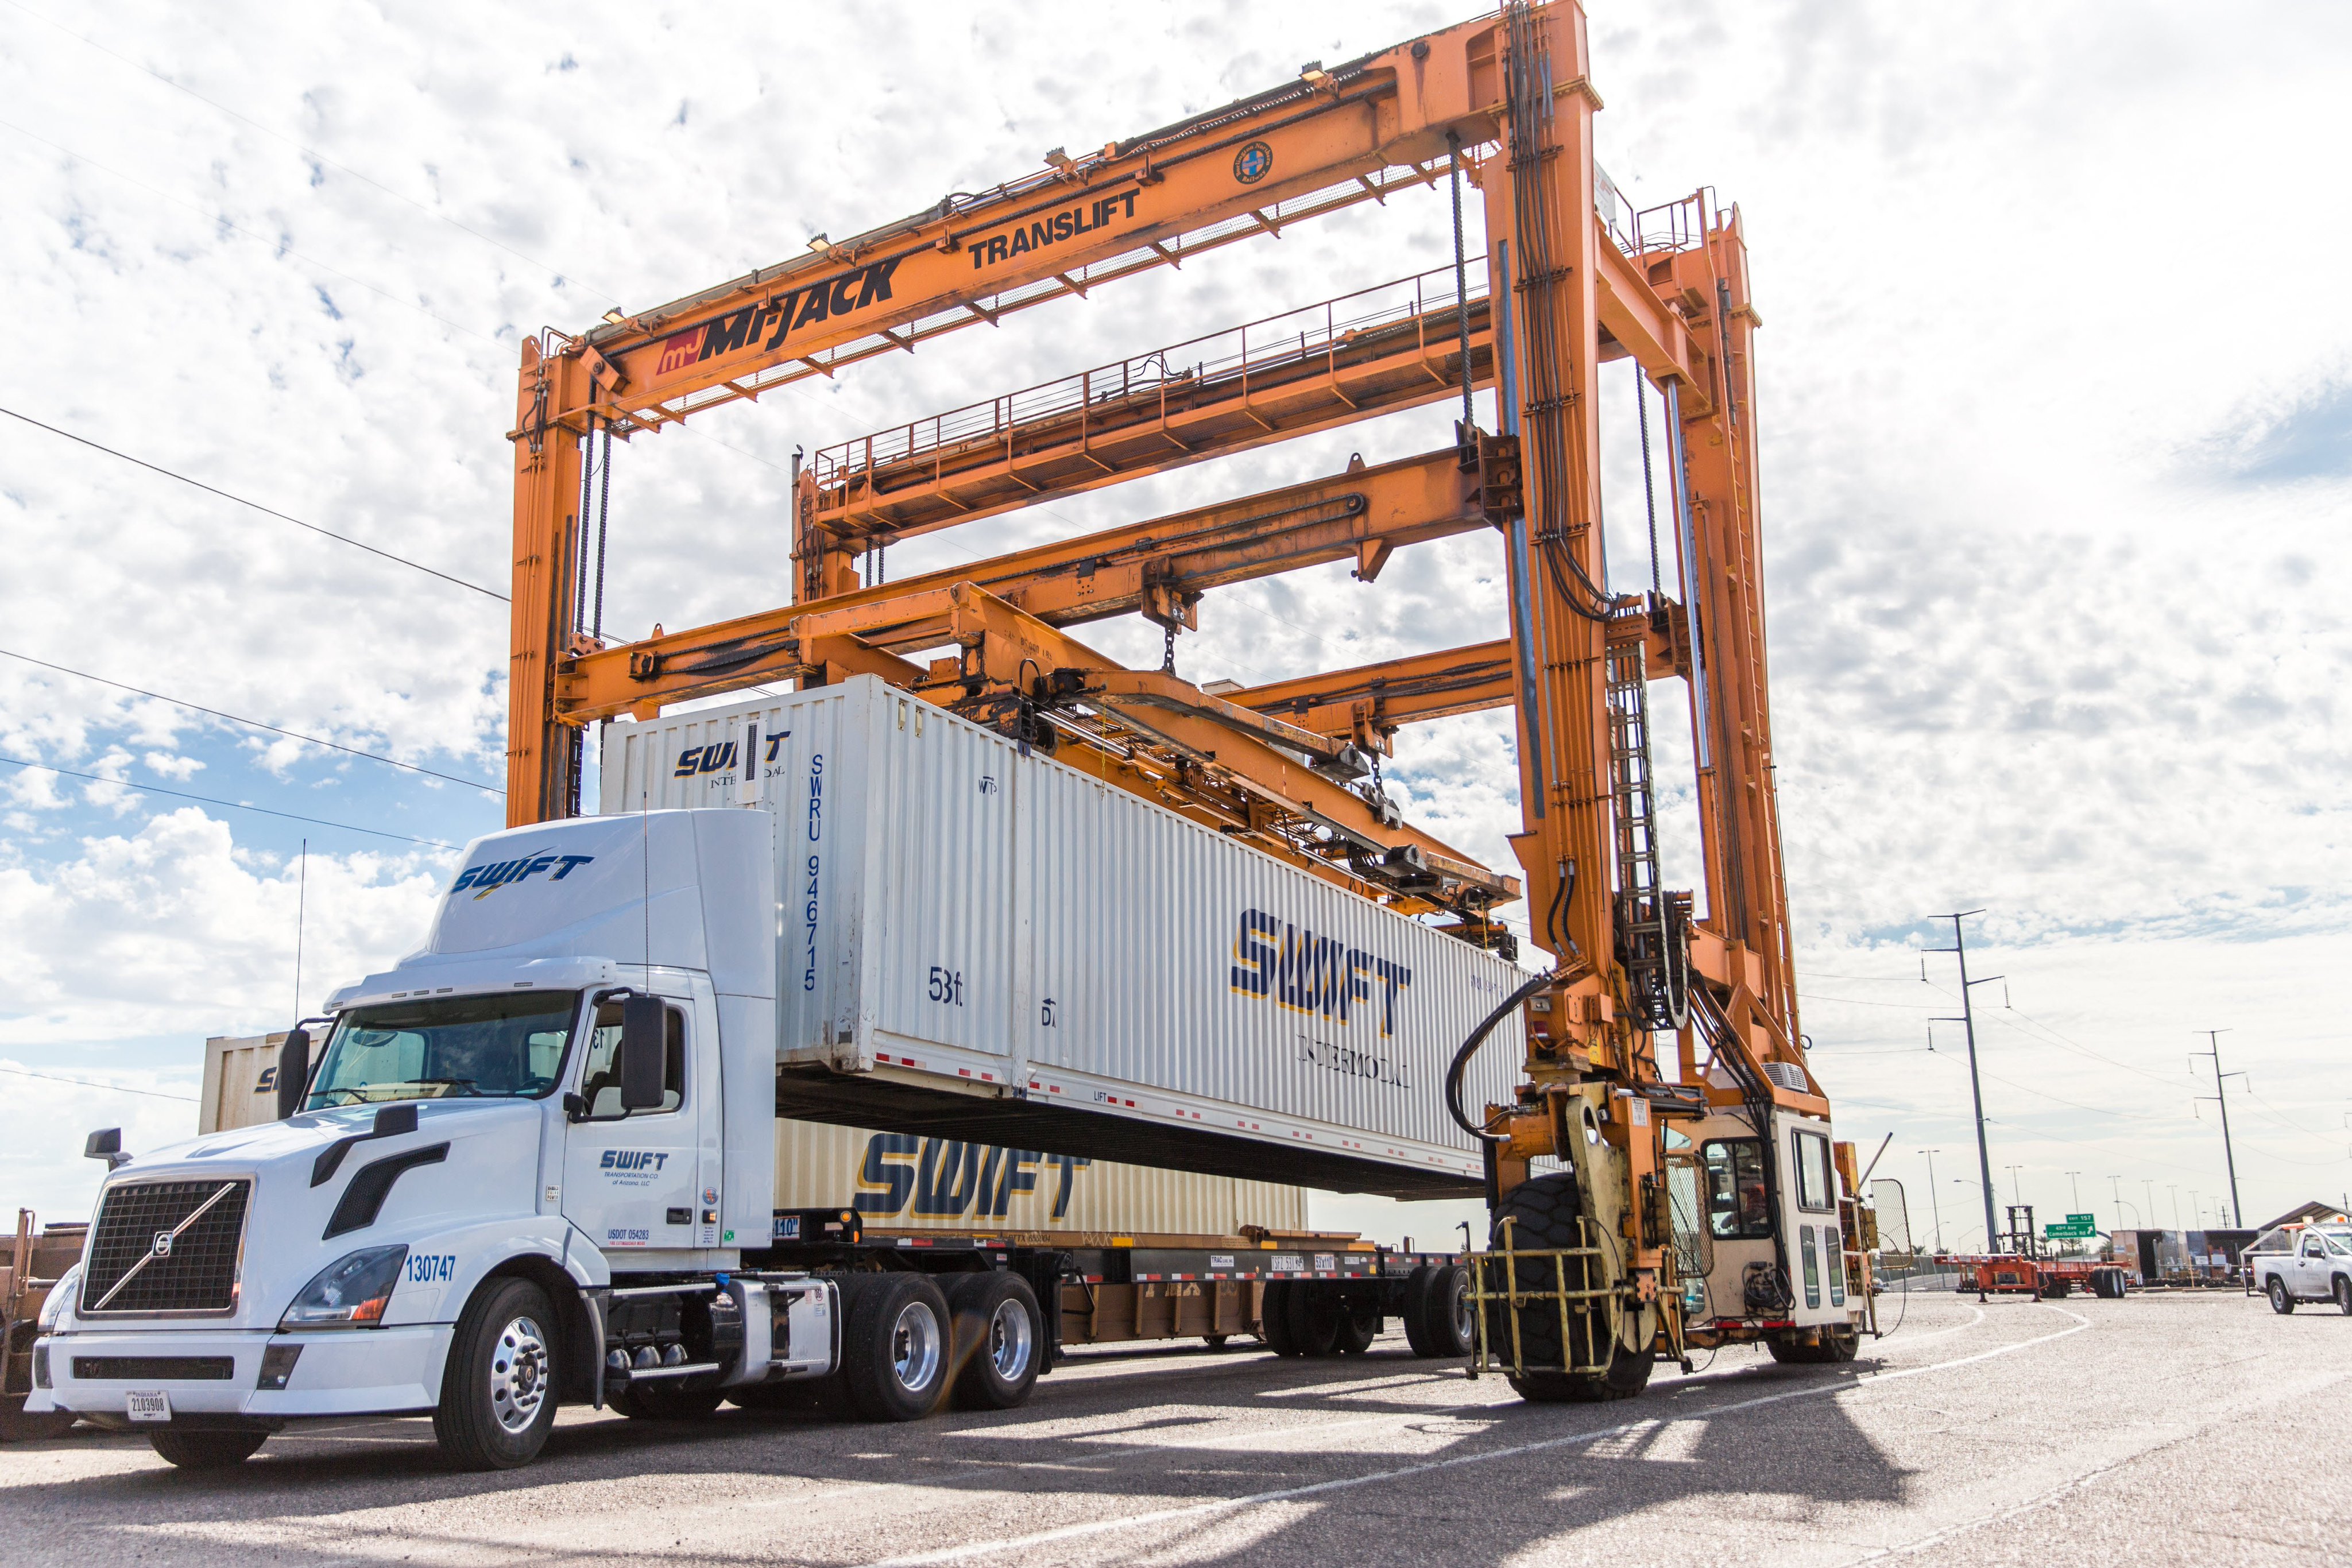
<point x="2090" y="1220"/>
<point x="2074" y="1229"/>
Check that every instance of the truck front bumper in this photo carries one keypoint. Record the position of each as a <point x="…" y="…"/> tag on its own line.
<point x="350" y="1372"/>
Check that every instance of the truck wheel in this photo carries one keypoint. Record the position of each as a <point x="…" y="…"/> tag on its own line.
<point x="2344" y="1295"/>
<point x="1437" y="1311"/>
<point x="1274" y="1318"/>
<point x="660" y="1401"/>
<point x="1359" y="1325"/>
<point x="894" y="1346"/>
<point x="1313" y="1320"/>
<point x="996" y="1321"/>
<point x="497" y="1394"/>
<point x="207" y="1450"/>
<point x="2280" y="1302"/>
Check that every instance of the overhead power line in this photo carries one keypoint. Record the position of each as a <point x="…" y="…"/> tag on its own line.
<point x="86" y="1083"/>
<point x="272" y="511"/>
<point x="257" y="723"/>
<point x="215" y="800"/>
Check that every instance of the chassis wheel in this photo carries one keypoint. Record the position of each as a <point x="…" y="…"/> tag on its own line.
<point x="894" y="1346"/>
<point x="1437" y="1322"/>
<point x="1313" y="1320"/>
<point x="997" y="1334"/>
<point x="497" y="1395"/>
<point x="206" y="1450"/>
<point x="1358" y="1325"/>
<point x="1274" y="1318"/>
<point x="2282" y="1303"/>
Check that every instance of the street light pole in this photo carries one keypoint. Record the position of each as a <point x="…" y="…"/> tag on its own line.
<point x="2076" y="1177"/>
<point x="1959" y="949"/>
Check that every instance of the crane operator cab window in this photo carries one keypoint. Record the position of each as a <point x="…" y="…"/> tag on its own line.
<point x="600" y="1084"/>
<point x="1737" y="1209"/>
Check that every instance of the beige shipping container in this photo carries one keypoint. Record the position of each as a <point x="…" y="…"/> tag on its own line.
<point x="240" y="1082"/>
<point x="901" y="1181"/>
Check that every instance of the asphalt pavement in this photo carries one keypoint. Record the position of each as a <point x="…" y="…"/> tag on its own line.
<point x="2156" y="1429"/>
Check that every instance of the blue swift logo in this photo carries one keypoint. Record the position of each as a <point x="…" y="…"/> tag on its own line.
<point x="491" y="876"/>
<point x="1309" y="974"/>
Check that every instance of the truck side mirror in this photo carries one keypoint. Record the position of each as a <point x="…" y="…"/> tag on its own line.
<point x="105" y="1144"/>
<point x="642" y="1053"/>
<point x="293" y="1070"/>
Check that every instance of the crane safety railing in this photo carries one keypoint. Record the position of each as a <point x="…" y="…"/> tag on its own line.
<point x="1283" y="342"/>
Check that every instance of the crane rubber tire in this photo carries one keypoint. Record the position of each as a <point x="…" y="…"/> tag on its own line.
<point x="998" y="1339"/>
<point x="1835" y="1344"/>
<point x="1546" y="1210"/>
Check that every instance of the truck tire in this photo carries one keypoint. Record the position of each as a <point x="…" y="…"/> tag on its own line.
<point x="1437" y="1311"/>
<point x="1274" y="1318"/>
<point x="1545" y="1211"/>
<point x="1359" y="1324"/>
<point x="2282" y="1300"/>
<point x="1314" y="1316"/>
<point x="894" y="1346"/>
<point x="497" y="1393"/>
<point x="206" y="1450"/>
<point x="2343" y="1293"/>
<point x="1836" y="1344"/>
<point x="997" y="1339"/>
<point x="664" y="1401"/>
<point x="2057" y="1290"/>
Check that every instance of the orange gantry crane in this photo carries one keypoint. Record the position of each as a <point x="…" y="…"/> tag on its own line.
<point x="1639" y="1210"/>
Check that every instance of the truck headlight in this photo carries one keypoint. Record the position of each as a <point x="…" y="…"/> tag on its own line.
<point x="53" y="1305"/>
<point x="348" y="1293"/>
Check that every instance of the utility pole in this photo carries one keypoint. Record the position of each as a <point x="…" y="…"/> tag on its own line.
<point x="2176" y="1207"/>
<point x="2147" y="1190"/>
<point x="1959" y="949"/>
<point x="1934" y="1198"/>
<point x="2117" y="1182"/>
<point x="2076" y="1177"/>
<point x="2221" y="1094"/>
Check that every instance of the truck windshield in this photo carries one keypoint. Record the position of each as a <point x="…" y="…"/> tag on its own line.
<point x="505" y="1046"/>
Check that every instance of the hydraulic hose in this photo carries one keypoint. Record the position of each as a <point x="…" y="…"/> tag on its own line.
<point x="1470" y="1048"/>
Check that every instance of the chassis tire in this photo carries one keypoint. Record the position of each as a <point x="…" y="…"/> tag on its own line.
<point x="1544" y="1211"/>
<point x="1313" y="1320"/>
<point x="2057" y="1290"/>
<point x="895" y="1347"/>
<point x="655" y="1402"/>
<point x="16" y="1427"/>
<point x="2282" y="1300"/>
<point x="1274" y="1318"/>
<point x="1437" y="1322"/>
<point x="998" y="1334"/>
<point x="1836" y="1344"/>
<point x="1359" y="1324"/>
<point x="206" y="1450"/>
<point x="497" y="1394"/>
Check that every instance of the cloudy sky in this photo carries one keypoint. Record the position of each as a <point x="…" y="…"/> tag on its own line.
<point x="2057" y="412"/>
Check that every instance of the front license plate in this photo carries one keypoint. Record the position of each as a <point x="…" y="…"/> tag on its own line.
<point x="151" y="1407"/>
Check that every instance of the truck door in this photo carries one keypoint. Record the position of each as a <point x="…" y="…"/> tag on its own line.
<point x="631" y="1178"/>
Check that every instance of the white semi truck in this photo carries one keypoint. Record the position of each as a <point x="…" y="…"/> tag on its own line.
<point x="534" y="1163"/>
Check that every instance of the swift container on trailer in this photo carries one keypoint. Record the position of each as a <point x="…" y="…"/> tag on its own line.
<point x="536" y="1162"/>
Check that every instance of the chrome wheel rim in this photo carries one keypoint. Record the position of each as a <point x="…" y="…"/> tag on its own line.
<point x="1009" y="1341"/>
<point x="1463" y="1326"/>
<point x="518" y="1374"/>
<point x="915" y="1346"/>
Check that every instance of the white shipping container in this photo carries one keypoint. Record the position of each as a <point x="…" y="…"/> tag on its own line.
<point x="959" y="917"/>
<point x="240" y="1082"/>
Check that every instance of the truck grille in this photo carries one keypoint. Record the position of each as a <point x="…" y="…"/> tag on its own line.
<point x="133" y="1269"/>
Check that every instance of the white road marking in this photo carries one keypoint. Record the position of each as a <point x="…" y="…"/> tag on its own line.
<point x="1346" y="1483"/>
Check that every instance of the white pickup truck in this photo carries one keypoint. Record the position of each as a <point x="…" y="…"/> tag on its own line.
<point x="2314" y="1265"/>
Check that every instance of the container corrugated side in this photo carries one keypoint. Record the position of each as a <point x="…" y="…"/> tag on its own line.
<point x="903" y="1181"/>
<point x="1012" y="920"/>
<point x="239" y="1083"/>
